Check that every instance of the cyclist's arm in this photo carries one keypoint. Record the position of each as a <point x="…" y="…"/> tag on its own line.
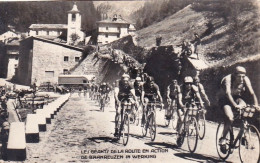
<point x="180" y="98"/>
<point x="168" y="92"/>
<point x="158" y="93"/>
<point x="227" y="87"/>
<point x="116" y="93"/>
<point x="203" y="93"/>
<point x="195" y="89"/>
<point x="251" y="91"/>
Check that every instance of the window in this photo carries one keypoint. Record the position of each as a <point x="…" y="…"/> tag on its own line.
<point x="107" y="28"/>
<point x="118" y="35"/>
<point x="73" y="17"/>
<point x="16" y="58"/>
<point x="49" y="74"/>
<point x="106" y="35"/>
<point x="37" y="32"/>
<point x="66" y="58"/>
<point x="76" y="59"/>
<point x="118" y="28"/>
<point x="48" y="32"/>
<point x="65" y="71"/>
<point x="84" y="81"/>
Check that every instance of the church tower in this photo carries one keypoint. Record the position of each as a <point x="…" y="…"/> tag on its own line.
<point x="74" y="25"/>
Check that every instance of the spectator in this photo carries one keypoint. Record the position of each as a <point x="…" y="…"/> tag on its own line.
<point x="158" y="40"/>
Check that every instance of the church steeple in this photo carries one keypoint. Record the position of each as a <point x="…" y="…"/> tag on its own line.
<point x="74" y="23"/>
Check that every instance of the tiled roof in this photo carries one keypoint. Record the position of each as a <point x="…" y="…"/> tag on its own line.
<point x="48" y="26"/>
<point x="118" y="21"/>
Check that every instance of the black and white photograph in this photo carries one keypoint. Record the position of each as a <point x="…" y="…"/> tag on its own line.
<point x="143" y="81"/>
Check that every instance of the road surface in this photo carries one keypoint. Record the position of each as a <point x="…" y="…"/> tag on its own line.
<point x="81" y="133"/>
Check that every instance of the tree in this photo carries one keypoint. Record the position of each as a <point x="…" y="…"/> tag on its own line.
<point x="74" y="37"/>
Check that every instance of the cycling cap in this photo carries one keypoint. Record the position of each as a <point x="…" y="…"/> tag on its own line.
<point x="104" y="83"/>
<point x="240" y="70"/>
<point x="138" y="79"/>
<point x="125" y="76"/>
<point x="188" y="79"/>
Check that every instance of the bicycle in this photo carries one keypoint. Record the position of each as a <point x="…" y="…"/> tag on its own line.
<point x="172" y="108"/>
<point x="102" y="102"/>
<point x="248" y="138"/>
<point x="189" y="128"/>
<point x="201" y="121"/>
<point x="126" y="108"/>
<point x="150" y="120"/>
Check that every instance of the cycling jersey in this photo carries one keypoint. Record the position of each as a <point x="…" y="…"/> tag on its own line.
<point x="138" y="89"/>
<point x="124" y="89"/>
<point x="150" y="92"/>
<point x="173" y="89"/>
<point x="188" y="95"/>
<point x="237" y="89"/>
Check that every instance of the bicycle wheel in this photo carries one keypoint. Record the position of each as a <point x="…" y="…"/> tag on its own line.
<point x="227" y="146"/>
<point x="201" y="125"/>
<point x="145" y="126"/>
<point x="174" y="119"/>
<point x="167" y="121"/>
<point x="249" y="145"/>
<point x="192" y="134"/>
<point x="125" y="130"/>
<point x="152" y="126"/>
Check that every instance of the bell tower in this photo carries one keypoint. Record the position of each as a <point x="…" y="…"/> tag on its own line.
<point x="74" y="24"/>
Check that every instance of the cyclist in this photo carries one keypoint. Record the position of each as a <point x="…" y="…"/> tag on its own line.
<point x="123" y="90"/>
<point x="104" y="89"/>
<point x="234" y="85"/>
<point x="201" y="89"/>
<point x="139" y="89"/>
<point x="172" y="97"/>
<point x="151" y="93"/>
<point x="186" y="95"/>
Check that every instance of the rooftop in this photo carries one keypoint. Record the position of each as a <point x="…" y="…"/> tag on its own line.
<point x="113" y="21"/>
<point x="48" y="26"/>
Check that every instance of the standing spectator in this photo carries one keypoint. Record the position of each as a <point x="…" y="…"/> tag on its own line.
<point x="196" y="42"/>
<point x="158" y="40"/>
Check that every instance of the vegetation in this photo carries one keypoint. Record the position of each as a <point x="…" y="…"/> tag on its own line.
<point x="22" y="14"/>
<point x="155" y="11"/>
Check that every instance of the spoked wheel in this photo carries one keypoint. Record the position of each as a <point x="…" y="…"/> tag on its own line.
<point x="192" y="134"/>
<point x="249" y="145"/>
<point x="167" y="121"/>
<point x="201" y="125"/>
<point x="125" y="130"/>
<point x="152" y="126"/>
<point x="145" y="126"/>
<point x="174" y="119"/>
<point x="224" y="149"/>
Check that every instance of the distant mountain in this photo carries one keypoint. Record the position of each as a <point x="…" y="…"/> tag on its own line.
<point x="123" y="8"/>
<point x="22" y="14"/>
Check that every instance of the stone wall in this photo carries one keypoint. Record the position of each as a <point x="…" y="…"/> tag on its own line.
<point x="48" y="58"/>
<point x="43" y="60"/>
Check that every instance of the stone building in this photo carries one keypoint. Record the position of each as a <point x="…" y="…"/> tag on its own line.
<point x="113" y="29"/>
<point x="52" y="31"/>
<point x="12" y="53"/>
<point x="44" y="60"/>
<point x="48" y="30"/>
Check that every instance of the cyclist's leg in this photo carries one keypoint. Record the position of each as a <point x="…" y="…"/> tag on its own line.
<point x="116" y="118"/>
<point x="229" y="118"/>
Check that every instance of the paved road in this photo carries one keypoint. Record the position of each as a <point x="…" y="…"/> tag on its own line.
<point x="81" y="132"/>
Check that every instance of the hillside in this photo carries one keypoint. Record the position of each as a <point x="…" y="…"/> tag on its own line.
<point x="22" y="14"/>
<point x="223" y="40"/>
